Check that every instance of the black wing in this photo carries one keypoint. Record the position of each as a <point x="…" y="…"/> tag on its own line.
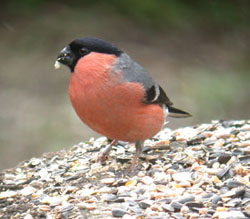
<point x="133" y="72"/>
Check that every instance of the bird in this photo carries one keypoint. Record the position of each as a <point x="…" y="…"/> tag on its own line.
<point x="114" y="95"/>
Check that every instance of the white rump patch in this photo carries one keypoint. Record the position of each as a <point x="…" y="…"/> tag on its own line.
<point x="165" y="111"/>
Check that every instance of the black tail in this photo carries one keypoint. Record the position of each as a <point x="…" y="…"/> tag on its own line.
<point x="176" y="113"/>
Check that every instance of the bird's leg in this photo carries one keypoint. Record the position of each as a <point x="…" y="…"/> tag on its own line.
<point x="139" y="146"/>
<point x="102" y="156"/>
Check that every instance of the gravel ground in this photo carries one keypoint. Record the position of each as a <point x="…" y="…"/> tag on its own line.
<point x="193" y="172"/>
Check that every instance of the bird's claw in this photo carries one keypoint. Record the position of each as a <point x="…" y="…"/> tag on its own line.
<point x="101" y="157"/>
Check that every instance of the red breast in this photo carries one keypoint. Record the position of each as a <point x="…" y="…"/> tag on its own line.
<point x="108" y="104"/>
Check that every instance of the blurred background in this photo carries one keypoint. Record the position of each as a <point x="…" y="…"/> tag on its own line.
<point x="198" y="51"/>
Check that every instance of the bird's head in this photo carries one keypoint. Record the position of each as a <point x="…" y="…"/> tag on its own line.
<point x="81" y="47"/>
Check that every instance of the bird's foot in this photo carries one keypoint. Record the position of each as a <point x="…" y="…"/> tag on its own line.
<point x="130" y="170"/>
<point x="103" y="155"/>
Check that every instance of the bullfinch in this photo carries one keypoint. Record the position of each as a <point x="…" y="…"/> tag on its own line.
<point x="114" y="95"/>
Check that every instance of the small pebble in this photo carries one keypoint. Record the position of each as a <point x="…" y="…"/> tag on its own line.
<point x="178" y="216"/>
<point x="105" y="189"/>
<point x="34" y="162"/>
<point x="108" y="181"/>
<point x="224" y="158"/>
<point x="229" y="215"/>
<point x="193" y="172"/>
<point x="28" y="216"/>
<point x="28" y="190"/>
<point x="186" y="199"/>
<point x="127" y="216"/>
<point x="145" y="204"/>
<point x="43" y="207"/>
<point x="168" y="207"/>
<point x="7" y="194"/>
<point x="182" y="176"/>
<point x="88" y="206"/>
<point x="176" y="205"/>
<point x="118" y="212"/>
<point x="216" y="199"/>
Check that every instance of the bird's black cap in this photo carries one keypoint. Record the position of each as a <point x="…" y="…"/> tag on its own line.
<point x="95" y="45"/>
<point x="83" y="46"/>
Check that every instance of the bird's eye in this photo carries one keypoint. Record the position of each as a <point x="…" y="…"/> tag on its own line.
<point x="83" y="51"/>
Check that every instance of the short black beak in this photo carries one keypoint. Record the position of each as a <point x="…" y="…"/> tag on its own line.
<point x="65" y="56"/>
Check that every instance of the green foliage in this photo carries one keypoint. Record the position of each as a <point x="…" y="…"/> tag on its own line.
<point x="155" y="13"/>
<point x="186" y="13"/>
<point x="24" y="5"/>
